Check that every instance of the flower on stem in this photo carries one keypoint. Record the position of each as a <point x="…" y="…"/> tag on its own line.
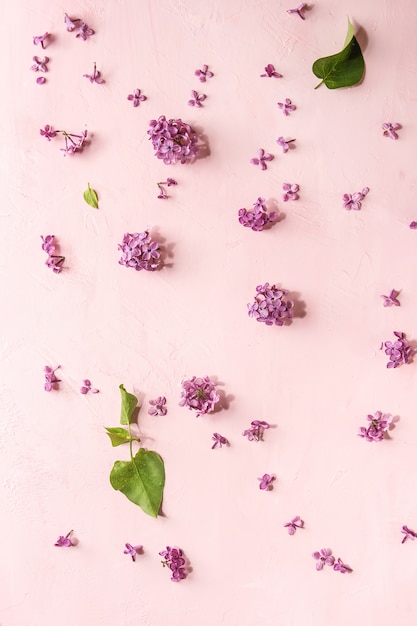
<point x="132" y="550"/>
<point x="199" y="394"/>
<point x="390" y="129"/>
<point x="140" y="251"/>
<point x="392" y="299"/>
<point x="219" y="440"/>
<point x="136" y="97"/>
<point x="48" y="132"/>
<point x="95" y="77"/>
<point x="42" y="39"/>
<point x="86" y="387"/>
<point x="324" y="557"/>
<point x="50" y="378"/>
<point x="174" y="560"/>
<point x="162" y="193"/>
<point x="54" y="261"/>
<point x="266" y="482"/>
<point x="158" y="406"/>
<point x="256" y="430"/>
<point x="408" y="534"/>
<point x="203" y="74"/>
<point x="299" y="10"/>
<point x="341" y="567"/>
<point x="259" y="218"/>
<point x="290" y="191"/>
<point x="71" y="24"/>
<point x="173" y="140"/>
<point x="399" y="351"/>
<point x="286" y="106"/>
<point x="285" y="144"/>
<point x="270" y="305"/>
<point x="271" y="72"/>
<point x="64" y="542"/>
<point x="295" y="523"/>
<point x="380" y="423"/>
<point x="261" y="158"/>
<point x="74" y="143"/>
<point x="197" y="99"/>
<point x="40" y="64"/>
<point x="354" y="201"/>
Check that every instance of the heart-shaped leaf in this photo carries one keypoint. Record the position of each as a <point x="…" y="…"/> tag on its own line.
<point x="118" y="436"/>
<point x="141" y="480"/>
<point x="129" y="402"/>
<point x="90" y="197"/>
<point x="343" y="69"/>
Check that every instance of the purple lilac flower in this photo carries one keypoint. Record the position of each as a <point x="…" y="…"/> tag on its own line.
<point x="261" y="158"/>
<point x="392" y="299"/>
<point x="162" y="193"/>
<point x="219" y="440"/>
<point x="256" y="430"/>
<point x="408" y="534"/>
<point x="259" y="218"/>
<point x="71" y="24"/>
<point x="136" y="97"/>
<point x="199" y="394"/>
<point x="41" y="80"/>
<point x="64" y="542"/>
<point x="266" y="482"/>
<point x="50" y="378"/>
<point x="42" y="39"/>
<point x="174" y="560"/>
<point x="286" y="106"/>
<point x="324" y="557"/>
<point x="84" y="31"/>
<point x="271" y="72"/>
<point x="48" y="132"/>
<point x="413" y="225"/>
<point x="203" y="74"/>
<point x="290" y="191"/>
<point x="158" y="406"/>
<point x="380" y="424"/>
<point x="132" y="550"/>
<point x="95" y="77"/>
<point x="295" y="523"/>
<point x="196" y="99"/>
<point x="399" y="351"/>
<point x="299" y="10"/>
<point x="341" y="567"/>
<point x="173" y="140"/>
<point x="86" y="387"/>
<point x="54" y="261"/>
<point x="285" y="144"/>
<point x="74" y="143"/>
<point x="140" y="251"/>
<point x="353" y="201"/>
<point x="270" y="306"/>
<point x="40" y="64"/>
<point x="390" y="129"/>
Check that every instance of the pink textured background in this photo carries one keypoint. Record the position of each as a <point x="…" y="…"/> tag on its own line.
<point x="315" y="380"/>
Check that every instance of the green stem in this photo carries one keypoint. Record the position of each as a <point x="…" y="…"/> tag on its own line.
<point x="317" y="86"/>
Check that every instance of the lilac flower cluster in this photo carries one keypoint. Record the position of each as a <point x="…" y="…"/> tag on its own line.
<point x="136" y="97"/>
<point x="81" y="29"/>
<point x="132" y="550"/>
<point x="256" y="430"/>
<point x="173" y="140"/>
<point x="258" y="218"/>
<point x="199" y="394"/>
<point x="73" y="143"/>
<point x="270" y="305"/>
<point x="399" y="351"/>
<point x="219" y="440"/>
<point x="158" y="406"/>
<point x="54" y="261"/>
<point x="173" y="558"/>
<point x="140" y="251"/>
<point x="295" y="523"/>
<point x="50" y="378"/>
<point x="266" y="482"/>
<point x="379" y="424"/>
<point x="354" y="201"/>
<point x="325" y="557"/>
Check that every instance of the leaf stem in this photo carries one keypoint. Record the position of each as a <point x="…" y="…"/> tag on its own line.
<point x="317" y="86"/>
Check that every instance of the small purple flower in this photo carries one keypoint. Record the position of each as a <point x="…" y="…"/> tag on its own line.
<point x="354" y="201"/>
<point x="54" y="261"/>
<point x="259" y="218"/>
<point x="173" y="140"/>
<point x="286" y="106"/>
<point x="42" y="39"/>
<point x="285" y="144"/>
<point x="40" y="80"/>
<point x="299" y="10"/>
<point x="380" y="423"/>
<point x="169" y="182"/>
<point x="290" y="191"/>
<point x="95" y="77"/>
<point x="219" y="440"/>
<point x="48" y="132"/>
<point x="295" y="523"/>
<point x="71" y="24"/>
<point x="84" y="31"/>
<point x="390" y="129"/>
<point x="86" y="387"/>
<point x="64" y="542"/>
<point x="266" y="482"/>
<point x="199" y="394"/>
<point x="74" y="143"/>
<point x="158" y="406"/>
<point x="174" y="560"/>
<point x="256" y="430"/>
<point x="50" y="378"/>
<point x="341" y="567"/>
<point x="140" y="251"/>
<point x="413" y="225"/>
<point x="40" y="64"/>
<point x="270" y="305"/>
<point x="203" y="74"/>
<point x="132" y="550"/>
<point x="197" y="99"/>
<point x="261" y="158"/>
<point x="392" y="299"/>
<point x="409" y="534"/>
<point x="399" y="351"/>
<point x="271" y="72"/>
<point x="136" y="97"/>
<point x="324" y="557"/>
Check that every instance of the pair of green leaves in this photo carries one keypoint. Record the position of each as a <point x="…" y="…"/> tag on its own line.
<point x="141" y="479"/>
<point x="343" y="69"/>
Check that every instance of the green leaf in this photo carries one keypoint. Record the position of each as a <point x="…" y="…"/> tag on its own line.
<point x="90" y="197"/>
<point x="343" y="69"/>
<point x="118" y="436"/>
<point x="141" y="480"/>
<point x="129" y="402"/>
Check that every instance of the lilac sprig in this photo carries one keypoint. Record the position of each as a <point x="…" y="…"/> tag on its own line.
<point x="408" y="534"/>
<point x="290" y="191"/>
<point x="270" y="72"/>
<point x="64" y="542"/>
<point x="219" y="440"/>
<point x="399" y="351"/>
<point x="54" y="261"/>
<point x="158" y="406"/>
<point x="286" y="107"/>
<point x="392" y="299"/>
<point x="173" y="140"/>
<point x="81" y="29"/>
<point x="196" y="99"/>
<point x="136" y="97"/>
<point x="380" y="423"/>
<point x="203" y="74"/>
<point x="140" y="251"/>
<point x="390" y="130"/>
<point x="174" y="560"/>
<point x="162" y="193"/>
<point x="73" y="143"/>
<point x="285" y="143"/>
<point x="262" y="158"/>
<point x="258" y="219"/>
<point x="50" y="379"/>
<point x="354" y="201"/>
<point x="95" y="76"/>
<point x="132" y="550"/>
<point x="42" y="39"/>
<point x="86" y="387"/>
<point x="270" y="305"/>
<point x="266" y="482"/>
<point x="199" y="394"/>
<point x="256" y="430"/>
<point x="295" y="523"/>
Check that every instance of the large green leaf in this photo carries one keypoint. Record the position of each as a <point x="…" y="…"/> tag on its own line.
<point x="141" y="480"/>
<point x="343" y="69"/>
<point x="129" y="403"/>
<point x="118" y="436"/>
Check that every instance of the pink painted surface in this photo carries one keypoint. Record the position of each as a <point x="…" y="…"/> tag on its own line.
<point x="315" y="380"/>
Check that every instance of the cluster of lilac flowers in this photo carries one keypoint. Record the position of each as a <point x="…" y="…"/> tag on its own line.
<point x="199" y="394"/>
<point x="174" y="560"/>
<point x="77" y="26"/>
<point x="325" y="557"/>
<point x="173" y="140"/>
<point x="256" y="430"/>
<point x="169" y="182"/>
<point x="158" y="406"/>
<point x="50" y="379"/>
<point x="270" y="305"/>
<point x="399" y="351"/>
<point x="379" y="424"/>
<point x="354" y="201"/>
<point x="258" y="218"/>
<point x="73" y="143"/>
<point x="266" y="482"/>
<point x="54" y="261"/>
<point x="295" y="523"/>
<point x="140" y="251"/>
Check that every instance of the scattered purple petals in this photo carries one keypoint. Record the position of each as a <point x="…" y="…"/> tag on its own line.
<point x="95" y="77"/>
<point x="259" y="218"/>
<point x="413" y="225"/>
<point x="219" y="440"/>
<point x="271" y="72"/>
<point x="86" y="387"/>
<point x="50" y="379"/>
<point x="295" y="523"/>
<point x="173" y="140"/>
<point x="408" y="534"/>
<point x="64" y="542"/>
<point x="390" y="129"/>
<point x="286" y="106"/>
<point x="42" y="39"/>
<point x="380" y="423"/>
<point x="158" y="406"/>
<point x="199" y="394"/>
<point x="40" y="64"/>
<point x="140" y="251"/>
<point x="285" y="143"/>
<point x="136" y="97"/>
<point x="261" y="158"/>
<point x="341" y="567"/>
<point x="54" y="261"/>
<point x="324" y="557"/>
<point x="41" y="80"/>
<point x="256" y="430"/>
<point x="399" y="351"/>
<point x="270" y="306"/>
<point x="290" y="191"/>
<point x="197" y="99"/>
<point x="392" y="299"/>
<point x="299" y="10"/>
<point x="175" y="561"/>
<point x="203" y="74"/>
<point x="266" y="482"/>
<point x="354" y="201"/>
<point x="132" y="550"/>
